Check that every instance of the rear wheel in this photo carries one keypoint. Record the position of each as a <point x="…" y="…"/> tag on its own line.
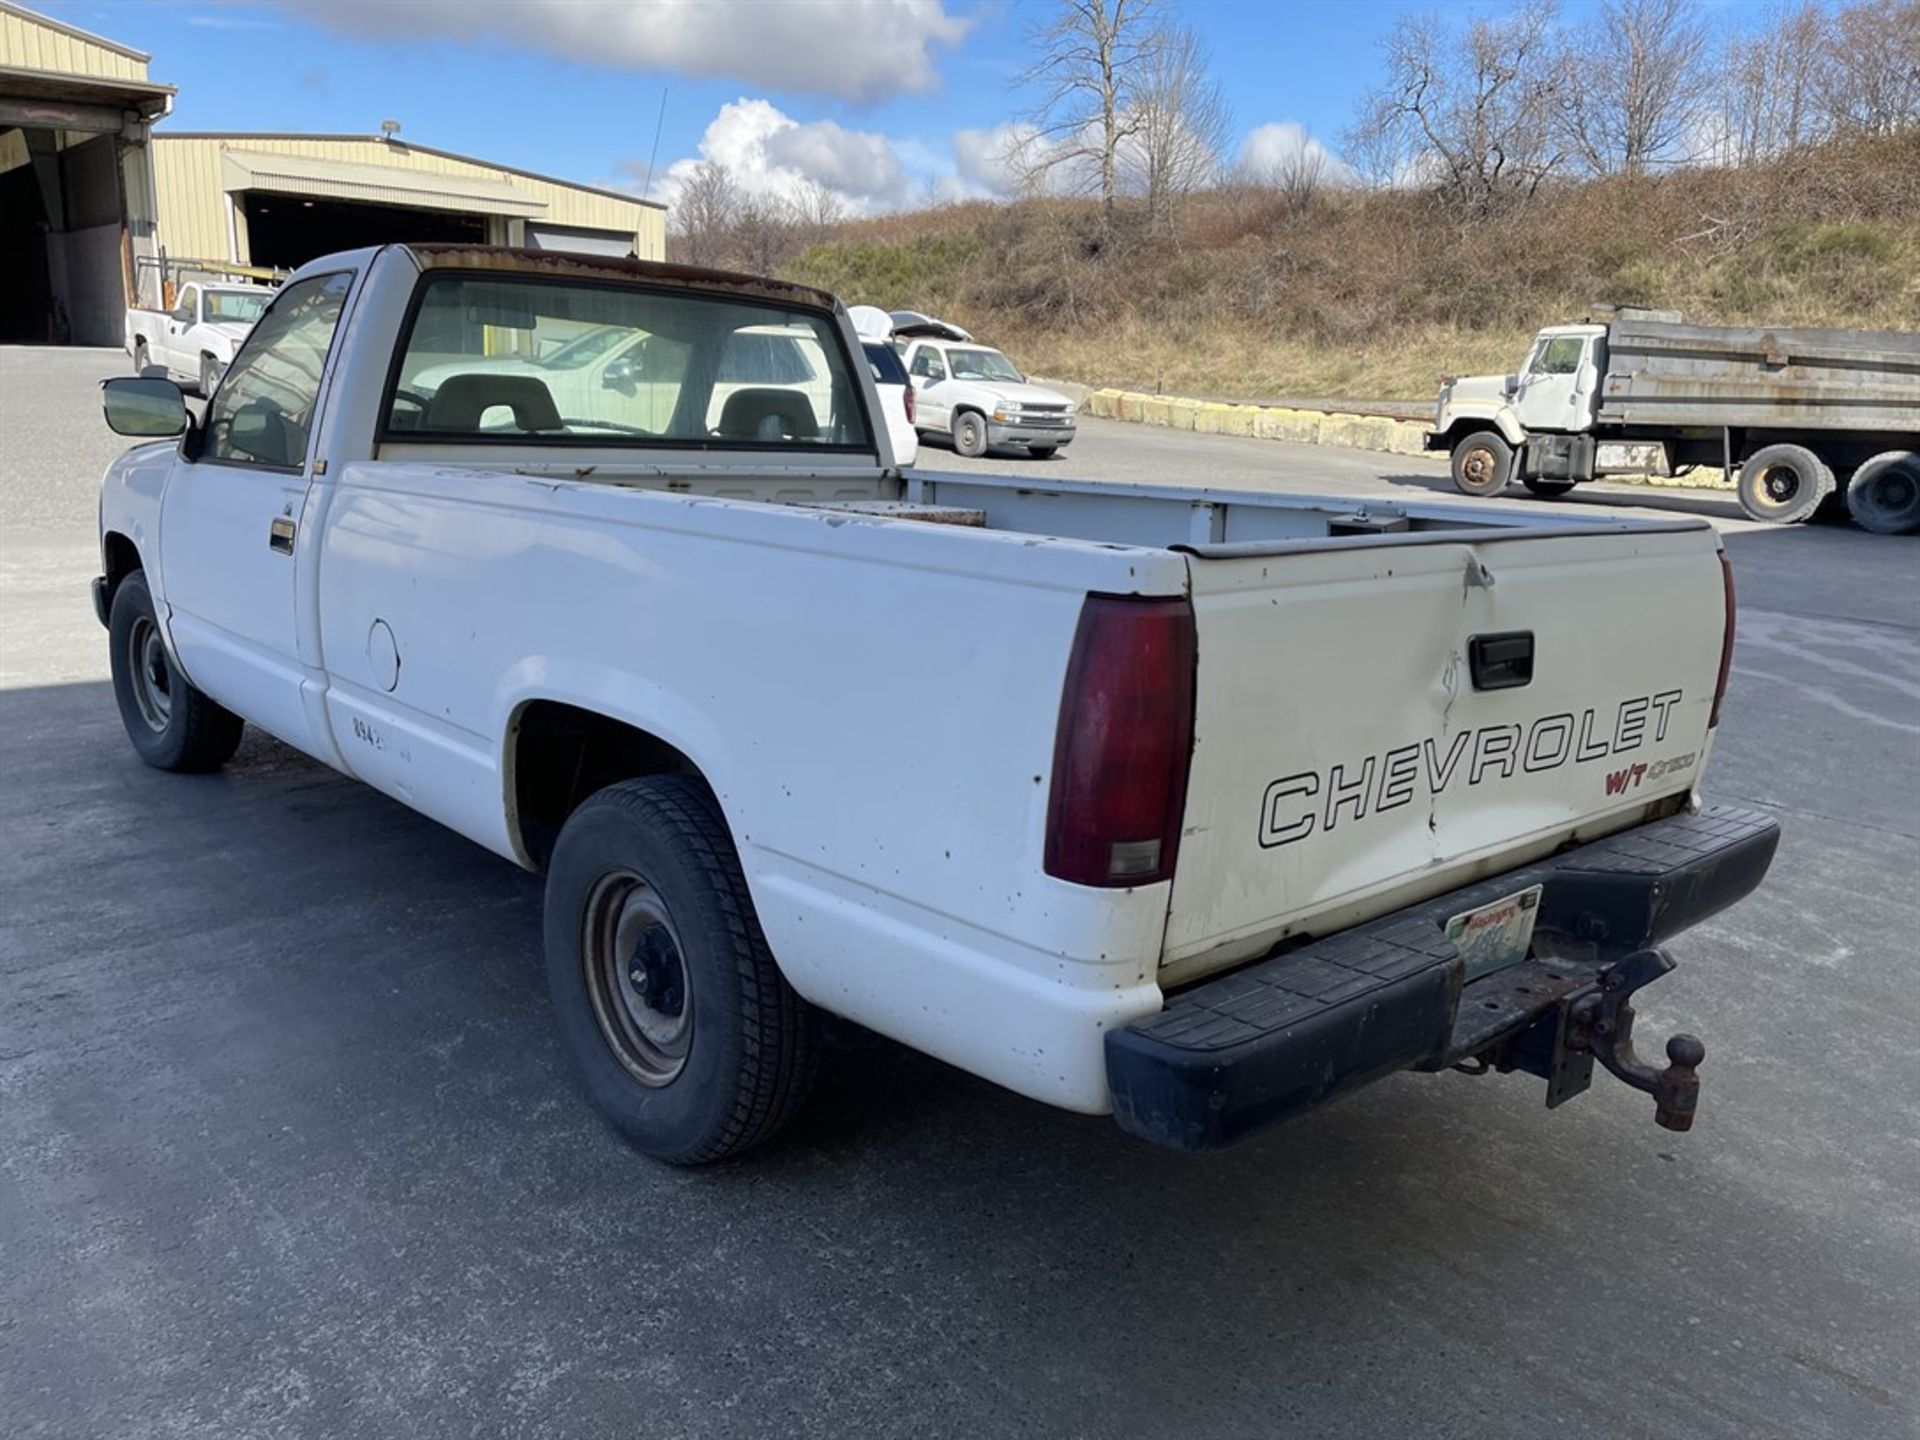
<point x="1884" y="495"/>
<point x="209" y="376"/>
<point x="1547" y="489"/>
<point x="970" y="434"/>
<point x="685" y="1034"/>
<point x="172" y="725"/>
<point x="1783" y="484"/>
<point x="139" y="355"/>
<point x="1482" y="463"/>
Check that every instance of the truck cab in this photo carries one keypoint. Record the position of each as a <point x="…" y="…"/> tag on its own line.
<point x="1488" y="420"/>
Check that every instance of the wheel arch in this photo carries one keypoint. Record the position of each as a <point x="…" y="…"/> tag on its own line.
<point x="1502" y="424"/>
<point x="558" y="752"/>
<point x="119" y="558"/>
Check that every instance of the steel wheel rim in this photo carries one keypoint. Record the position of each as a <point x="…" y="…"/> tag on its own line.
<point x="637" y="980"/>
<point x="1478" y="467"/>
<point x="152" y="680"/>
<point x="1779" y="484"/>
<point x="1896" y="491"/>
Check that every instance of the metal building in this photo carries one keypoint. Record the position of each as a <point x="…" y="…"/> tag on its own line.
<point x="277" y="200"/>
<point x="76" y="190"/>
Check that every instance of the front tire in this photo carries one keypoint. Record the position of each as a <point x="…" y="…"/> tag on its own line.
<point x="1783" y="484"/>
<point x="1884" y="494"/>
<point x="970" y="434"/>
<point x="685" y="1035"/>
<point x="172" y="725"/>
<point x="1482" y="464"/>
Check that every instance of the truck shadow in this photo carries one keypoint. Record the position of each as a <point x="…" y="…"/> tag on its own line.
<point x="339" y="1032"/>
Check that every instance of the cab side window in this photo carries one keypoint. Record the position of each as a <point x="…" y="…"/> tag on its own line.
<point x="1559" y="356"/>
<point x="263" y="410"/>
<point x="927" y="362"/>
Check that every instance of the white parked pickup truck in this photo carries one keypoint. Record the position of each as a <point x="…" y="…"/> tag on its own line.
<point x="196" y="339"/>
<point x="974" y="396"/>
<point x="1195" y="807"/>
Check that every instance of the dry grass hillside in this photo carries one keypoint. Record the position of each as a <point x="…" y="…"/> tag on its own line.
<point x="1373" y="295"/>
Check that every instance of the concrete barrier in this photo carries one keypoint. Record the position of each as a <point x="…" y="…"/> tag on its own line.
<point x="1378" y="433"/>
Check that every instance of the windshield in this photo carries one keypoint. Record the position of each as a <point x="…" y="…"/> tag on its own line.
<point x="981" y="365"/>
<point x="494" y="357"/>
<point x="241" y="307"/>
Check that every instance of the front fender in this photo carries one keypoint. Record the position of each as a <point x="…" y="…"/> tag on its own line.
<point x="1465" y="417"/>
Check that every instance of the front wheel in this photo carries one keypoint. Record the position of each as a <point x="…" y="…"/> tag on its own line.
<point x="172" y="725"/>
<point x="1548" y="489"/>
<point x="1783" y="484"/>
<point x="969" y="434"/>
<point x="685" y="1034"/>
<point x="1884" y="494"/>
<point x="1482" y="462"/>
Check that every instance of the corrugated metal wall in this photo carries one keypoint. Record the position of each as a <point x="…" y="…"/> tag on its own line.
<point x="29" y="43"/>
<point x="193" y="206"/>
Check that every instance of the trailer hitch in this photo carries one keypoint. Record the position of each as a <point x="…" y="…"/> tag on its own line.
<point x="1597" y="1024"/>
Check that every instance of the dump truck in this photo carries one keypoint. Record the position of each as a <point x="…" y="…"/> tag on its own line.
<point x="1801" y="417"/>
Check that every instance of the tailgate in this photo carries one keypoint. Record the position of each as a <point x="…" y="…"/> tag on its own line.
<point x="1345" y="761"/>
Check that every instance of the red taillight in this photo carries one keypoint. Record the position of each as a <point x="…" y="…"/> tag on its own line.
<point x="1726" y="643"/>
<point x="1125" y="741"/>
<point x="906" y="397"/>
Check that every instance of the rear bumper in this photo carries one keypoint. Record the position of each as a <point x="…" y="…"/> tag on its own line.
<point x="1276" y="1039"/>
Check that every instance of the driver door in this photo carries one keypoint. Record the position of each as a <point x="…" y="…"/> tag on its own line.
<point x="174" y="346"/>
<point x="933" y="410"/>
<point x="231" y="517"/>
<point x="1550" y="395"/>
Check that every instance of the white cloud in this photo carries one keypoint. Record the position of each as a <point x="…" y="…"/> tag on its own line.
<point x="771" y="155"/>
<point x="1278" y="147"/>
<point x="860" y="50"/>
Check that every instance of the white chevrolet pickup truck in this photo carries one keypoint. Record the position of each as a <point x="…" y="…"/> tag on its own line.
<point x="194" y="342"/>
<point x="1195" y="807"/>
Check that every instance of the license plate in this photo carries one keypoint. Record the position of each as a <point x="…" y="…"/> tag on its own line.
<point x="1497" y="935"/>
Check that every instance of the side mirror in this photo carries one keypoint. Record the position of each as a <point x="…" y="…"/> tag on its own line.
<point x="621" y="374"/>
<point x="1511" y="386"/>
<point x="150" y="409"/>
<point x="184" y="314"/>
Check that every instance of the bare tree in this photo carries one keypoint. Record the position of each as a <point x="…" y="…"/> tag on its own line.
<point x="1089" y="75"/>
<point x="1471" y="113"/>
<point x="1640" y="99"/>
<point x="1870" y="77"/>
<point x="1768" y="83"/>
<point x="815" y="209"/>
<point x="1299" y="173"/>
<point x="1183" y="120"/>
<point x="763" y="234"/>
<point x="706" y="213"/>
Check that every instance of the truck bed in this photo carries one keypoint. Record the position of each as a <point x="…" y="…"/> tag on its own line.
<point x="1714" y="376"/>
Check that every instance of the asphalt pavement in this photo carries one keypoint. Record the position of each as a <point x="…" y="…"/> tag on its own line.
<point x="286" y="1148"/>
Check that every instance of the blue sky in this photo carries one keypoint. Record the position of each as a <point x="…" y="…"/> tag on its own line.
<point x="874" y="98"/>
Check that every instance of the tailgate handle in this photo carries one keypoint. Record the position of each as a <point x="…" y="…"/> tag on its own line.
<point x="1501" y="662"/>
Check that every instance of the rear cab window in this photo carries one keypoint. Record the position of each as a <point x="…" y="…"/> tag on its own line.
<point x="491" y="358"/>
<point x="885" y="363"/>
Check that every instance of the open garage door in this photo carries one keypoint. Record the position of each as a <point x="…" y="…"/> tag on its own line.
<point x="285" y="231"/>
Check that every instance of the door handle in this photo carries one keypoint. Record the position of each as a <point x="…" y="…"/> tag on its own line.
<point x="1501" y="662"/>
<point x="280" y="536"/>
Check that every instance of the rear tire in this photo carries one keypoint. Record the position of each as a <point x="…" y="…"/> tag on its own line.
<point x="1884" y="495"/>
<point x="172" y="725"/>
<point x="969" y="435"/>
<point x="139" y="355"/>
<point x="209" y="376"/>
<point x="1783" y="484"/>
<point x="685" y="1035"/>
<point x="1482" y="464"/>
<point x="1548" y="489"/>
